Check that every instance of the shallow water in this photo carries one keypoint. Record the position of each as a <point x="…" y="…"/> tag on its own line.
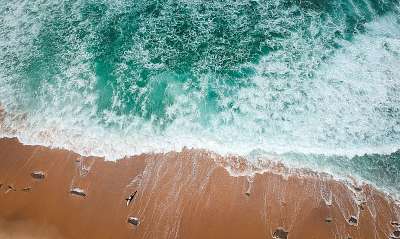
<point x="308" y="79"/>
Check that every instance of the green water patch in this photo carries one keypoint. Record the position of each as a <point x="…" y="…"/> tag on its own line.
<point x="140" y="53"/>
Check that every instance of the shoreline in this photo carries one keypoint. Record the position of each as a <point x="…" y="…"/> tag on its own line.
<point x="179" y="195"/>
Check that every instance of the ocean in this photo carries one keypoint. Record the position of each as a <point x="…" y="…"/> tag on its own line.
<point x="314" y="83"/>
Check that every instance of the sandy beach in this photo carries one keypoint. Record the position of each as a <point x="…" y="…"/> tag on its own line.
<point x="179" y="195"/>
<point x="267" y="119"/>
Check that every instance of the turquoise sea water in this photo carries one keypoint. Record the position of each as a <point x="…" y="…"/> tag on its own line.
<point x="317" y="82"/>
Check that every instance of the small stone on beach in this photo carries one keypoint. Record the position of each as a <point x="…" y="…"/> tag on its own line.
<point x="134" y="221"/>
<point x="280" y="233"/>
<point x="353" y="221"/>
<point x="38" y="175"/>
<point x="27" y="189"/>
<point x="78" y="192"/>
<point x="328" y="219"/>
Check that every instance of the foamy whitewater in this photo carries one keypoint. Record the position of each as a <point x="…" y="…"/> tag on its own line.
<point x="315" y="82"/>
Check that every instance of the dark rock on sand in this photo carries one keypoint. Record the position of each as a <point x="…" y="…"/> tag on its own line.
<point x="353" y="221"/>
<point x="328" y="219"/>
<point x="280" y="233"/>
<point x="78" y="192"/>
<point x="396" y="233"/>
<point x="133" y="220"/>
<point x="38" y="175"/>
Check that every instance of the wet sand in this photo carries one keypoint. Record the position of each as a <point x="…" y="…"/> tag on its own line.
<point x="179" y="195"/>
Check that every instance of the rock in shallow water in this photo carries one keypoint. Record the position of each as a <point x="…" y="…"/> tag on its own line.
<point x="280" y="233"/>
<point x="353" y="221"/>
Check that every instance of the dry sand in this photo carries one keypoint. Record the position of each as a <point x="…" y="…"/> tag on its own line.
<point x="179" y="195"/>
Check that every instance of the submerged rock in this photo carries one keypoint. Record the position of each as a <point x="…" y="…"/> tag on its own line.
<point x="134" y="221"/>
<point x="280" y="233"/>
<point x="353" y="221"/>
<point x="78" y="192"/>
<point x="38" y="175"/>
